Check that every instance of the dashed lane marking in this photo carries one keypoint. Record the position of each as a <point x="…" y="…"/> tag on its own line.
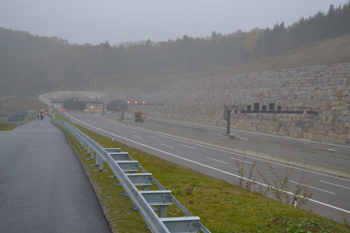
<point x="217" y="160"/>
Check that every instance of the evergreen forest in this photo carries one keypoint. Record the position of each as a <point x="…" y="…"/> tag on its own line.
<point x="32" y="65"/>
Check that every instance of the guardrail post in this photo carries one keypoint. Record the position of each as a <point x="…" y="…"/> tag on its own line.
<point x="84" y="145"/>
<point x="88" y="150"/>
<point x="97" y="159"/>
<point x="99" y="162"/>
<point x="92" y="154"/>
<point x="228" y="121"/>
<point x="139" y="179"/>
<point x="161" y="198"/>
<point x="80" y="140"/>
<point x="125" y="169"/>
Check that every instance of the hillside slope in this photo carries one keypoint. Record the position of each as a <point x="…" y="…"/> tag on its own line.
<point x="19" y="104"/>
<point x="321" y="53"/>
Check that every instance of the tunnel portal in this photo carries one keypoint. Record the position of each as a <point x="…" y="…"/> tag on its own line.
<point x="117" y="105"/>
<point x="74" y="104"/>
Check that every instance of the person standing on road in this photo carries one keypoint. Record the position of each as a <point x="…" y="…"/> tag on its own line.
<point x="42" y="117"/>
<point x="37" y="116"/>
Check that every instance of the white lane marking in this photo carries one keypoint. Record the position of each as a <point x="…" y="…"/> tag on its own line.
<point x="217" y="160"/>
<point x="240" y="160"/>
<point x="334" y="184"/>
<point x="331" y="149"/>
<point x="207" y="166"/>
<point x="153" y="137"/>
<point x="118" y="130"/>
<point x="132" y="131"/>
<point x="216" y="127"/>
<point x="187" y="146"/>
<point x="230" y="152"/>
<point x="166" y="145"/>
<point x="136" y="136"/>
<point x="295" y="168"/>
<point x="312" y="187"/>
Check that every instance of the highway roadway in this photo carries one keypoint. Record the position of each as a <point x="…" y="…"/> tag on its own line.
<point x="331" y="195"/>
<point x="309" y="143"/>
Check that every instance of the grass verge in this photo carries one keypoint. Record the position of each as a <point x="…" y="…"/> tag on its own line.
<point x="19" y="104"/>
<point x="8" y="127"/>
<point x="31" y="117"/>
<point x="222" y="207"/>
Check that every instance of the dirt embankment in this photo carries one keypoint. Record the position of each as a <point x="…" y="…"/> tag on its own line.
<point x="3" y="125"/>
<point x="325" y="52"/>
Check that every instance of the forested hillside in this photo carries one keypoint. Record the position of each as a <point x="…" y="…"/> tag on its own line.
<point x="32" y="65"/>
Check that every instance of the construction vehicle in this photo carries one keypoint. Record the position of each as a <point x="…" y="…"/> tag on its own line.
<point x="127" y="115"/>
<point x="96" y="109"/>
<point x="130" y="114"/>
<point x="139" y="116"/>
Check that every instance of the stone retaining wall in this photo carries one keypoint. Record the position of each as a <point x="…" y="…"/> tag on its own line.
<point x="325" y="89"/>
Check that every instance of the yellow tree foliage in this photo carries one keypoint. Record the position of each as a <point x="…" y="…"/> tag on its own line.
<point x="250" y="42"/>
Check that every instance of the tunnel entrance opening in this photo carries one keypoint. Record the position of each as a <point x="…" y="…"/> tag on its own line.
<point x="117" y="105"/>
<point x="72" y="105"/>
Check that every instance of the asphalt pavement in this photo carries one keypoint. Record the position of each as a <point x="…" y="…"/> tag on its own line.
<point x="43" y="186"/>
<point x="215" y="138"/>
<point x="211" y="153"/>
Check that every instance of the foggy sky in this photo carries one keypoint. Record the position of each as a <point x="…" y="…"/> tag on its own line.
<point x="94" y="22"/>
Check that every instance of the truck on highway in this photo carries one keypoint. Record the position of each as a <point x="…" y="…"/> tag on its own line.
<point x="139" y="116"/>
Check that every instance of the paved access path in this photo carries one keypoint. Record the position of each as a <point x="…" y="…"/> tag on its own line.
<point x="43" y="186"/>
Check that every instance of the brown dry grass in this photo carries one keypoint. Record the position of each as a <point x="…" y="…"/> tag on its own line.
<point x="325" y="52"/>
<point x="322" y="53"/>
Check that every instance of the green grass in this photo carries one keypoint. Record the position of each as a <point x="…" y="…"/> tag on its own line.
<point x="22" y="103"/>
<point x="29" y="103"/>
<point x="61" y="118"/>
<point x="32" y="117"/>
<point x="222" y="207"/>
<point x="11" y="127"/>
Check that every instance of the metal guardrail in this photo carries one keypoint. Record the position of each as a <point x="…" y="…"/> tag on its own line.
<point x="144" y="201"/>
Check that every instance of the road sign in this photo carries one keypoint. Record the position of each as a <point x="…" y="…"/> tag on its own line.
<point x="233" y="111"/>
<point x="304" y="111"/>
